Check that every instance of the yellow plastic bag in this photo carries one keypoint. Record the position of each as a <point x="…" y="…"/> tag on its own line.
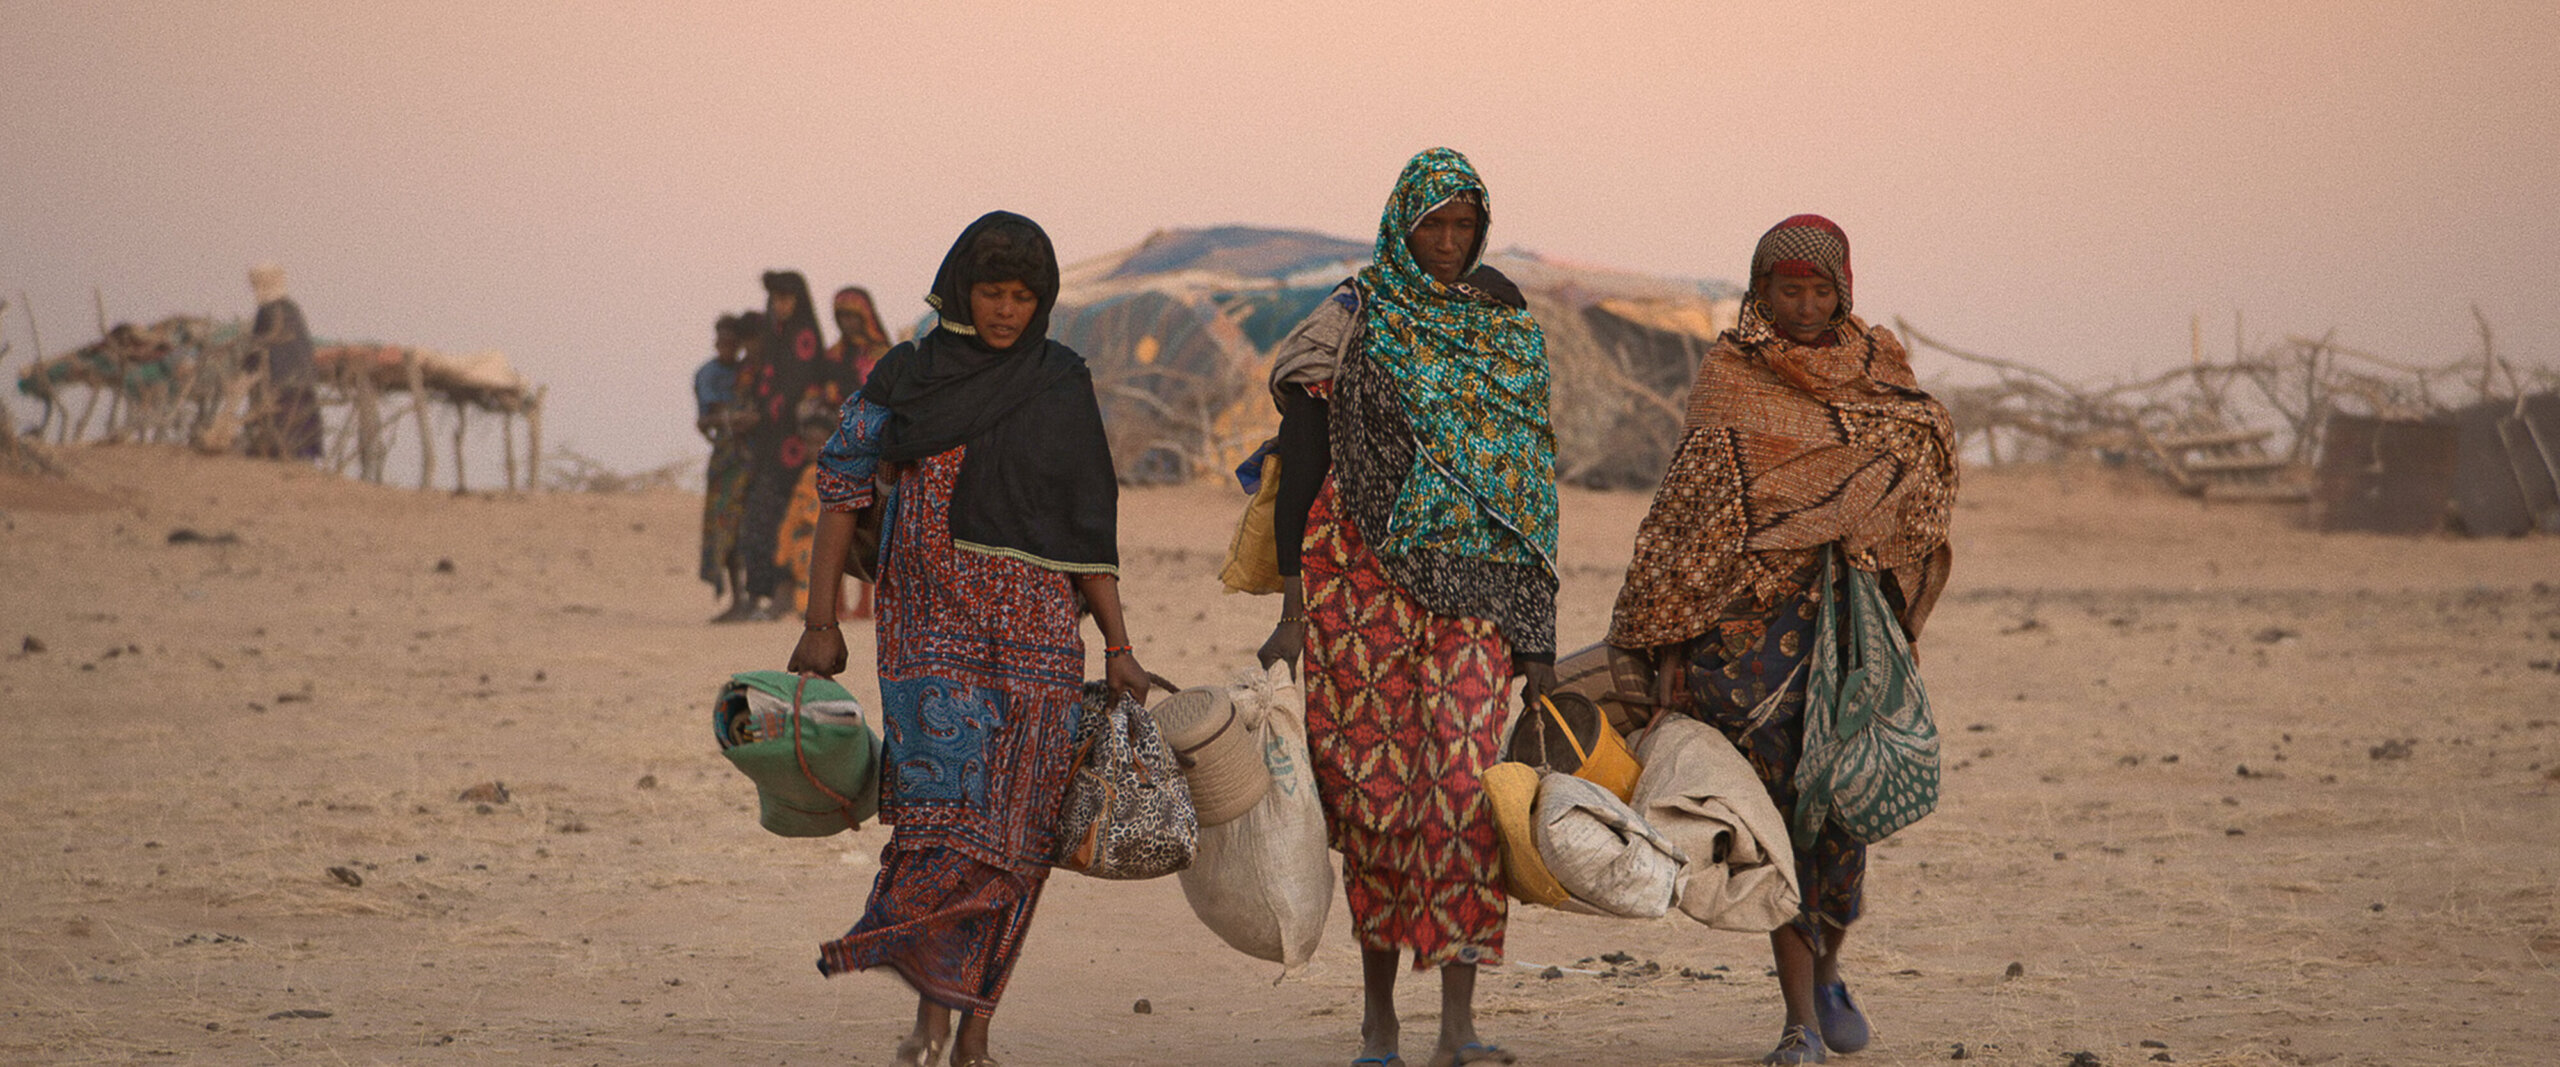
<point x="1253" y="554"/>
<point x="1606" y="762"/>
<point x="1512" y="790"/>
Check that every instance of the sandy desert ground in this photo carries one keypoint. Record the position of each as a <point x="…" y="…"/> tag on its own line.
<point x="2221" y="791"/>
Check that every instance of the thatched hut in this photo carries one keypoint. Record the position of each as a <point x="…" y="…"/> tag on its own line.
<point x="1179" y="330"/>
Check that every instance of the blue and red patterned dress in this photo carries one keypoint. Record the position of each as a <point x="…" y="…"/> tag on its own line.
<point x="980" y="666"/>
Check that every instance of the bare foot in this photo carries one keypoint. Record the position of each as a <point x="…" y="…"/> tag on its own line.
<point x="919" y="1050"/>
<point x="1378" y="1041"/>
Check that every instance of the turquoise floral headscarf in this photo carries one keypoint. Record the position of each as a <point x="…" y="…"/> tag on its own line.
<point x="1472" y="372"/>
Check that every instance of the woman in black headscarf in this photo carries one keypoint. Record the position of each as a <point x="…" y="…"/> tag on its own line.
<point x="787" y="369"/>
<point x="982" y="445"/>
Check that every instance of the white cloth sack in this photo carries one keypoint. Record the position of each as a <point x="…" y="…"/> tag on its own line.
<point x="1701" y="794"/>
<point x="1601" y="852"/>
<point x="1263" y="882"/>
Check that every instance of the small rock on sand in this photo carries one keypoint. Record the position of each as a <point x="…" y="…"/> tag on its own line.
<point x="486" y="793"/>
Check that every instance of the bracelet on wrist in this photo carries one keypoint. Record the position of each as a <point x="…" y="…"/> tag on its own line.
<point x="815" y="627"/>
<point x="1113" y="651"/>
<point x="1287" y="619"/>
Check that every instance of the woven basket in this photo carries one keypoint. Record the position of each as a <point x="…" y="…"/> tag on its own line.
<point x="1220" y="752"/>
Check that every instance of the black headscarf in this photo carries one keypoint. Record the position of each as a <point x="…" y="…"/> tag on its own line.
<point x="1037" y="481"/>
<point x="791" y="370"/>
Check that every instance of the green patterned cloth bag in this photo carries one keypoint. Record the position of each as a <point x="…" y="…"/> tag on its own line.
<point x="802" y="739"/>
<point x="1870" y="760"/>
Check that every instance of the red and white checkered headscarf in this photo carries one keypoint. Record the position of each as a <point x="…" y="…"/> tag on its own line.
<point x="1803" y="246"/>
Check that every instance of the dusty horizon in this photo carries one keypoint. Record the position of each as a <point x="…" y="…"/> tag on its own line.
<point x="585" y="188"/>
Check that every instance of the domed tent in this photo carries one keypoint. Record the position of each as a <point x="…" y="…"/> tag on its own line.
<point x="1179" y="330"/>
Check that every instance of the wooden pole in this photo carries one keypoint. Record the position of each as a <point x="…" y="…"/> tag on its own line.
<point x="507" y="435"/>
<point x="368" y="425"/>
<point x="32" y="331"/>
<point x="533" y="439"/>
<point x="418" y="404"/>
<point x="81" y="432"/>
<point x="343" y="449"/>
<point x="461" y="422"/>
<point x="52" y="402"/>
<point x="115" y="400"/>
<point x="2489" y="355"/>
<point x="8" y="419"/>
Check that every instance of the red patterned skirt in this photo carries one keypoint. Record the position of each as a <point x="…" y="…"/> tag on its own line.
<point x="1404" y="714"/>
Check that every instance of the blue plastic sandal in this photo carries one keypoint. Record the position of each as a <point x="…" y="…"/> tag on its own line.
<point x="1799" y="1044"/>
<point x="1844" y="1027"/>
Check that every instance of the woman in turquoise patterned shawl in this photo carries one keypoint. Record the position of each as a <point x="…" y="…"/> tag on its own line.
<point x="1416" y="529"/>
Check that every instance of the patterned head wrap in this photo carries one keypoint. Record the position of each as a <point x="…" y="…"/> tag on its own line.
<point x="1803" y="246"/>
<point x="874" y="339"/>
<point x="1472" y="374"/>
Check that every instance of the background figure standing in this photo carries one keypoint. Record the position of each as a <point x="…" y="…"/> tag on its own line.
<point x="1417" y="489"/>
<point x="860" y="342"/>
<point x="798" y="535"/>
<point x="285" y="419"/>
<point x="1806" y="431"/>
<point x="788" y="366"/>
<point x="723" y="421"/>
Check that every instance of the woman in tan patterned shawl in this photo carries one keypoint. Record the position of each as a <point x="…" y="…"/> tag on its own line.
<point x="1806" y="429"/>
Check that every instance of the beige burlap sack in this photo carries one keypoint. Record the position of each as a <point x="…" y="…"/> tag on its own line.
<point x="1601" y="852"/>
<point x="1263" y="882"/>
<point x="1702" y="796"/>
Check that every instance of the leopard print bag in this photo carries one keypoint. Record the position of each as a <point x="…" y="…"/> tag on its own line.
<point x="1128" y="811"/>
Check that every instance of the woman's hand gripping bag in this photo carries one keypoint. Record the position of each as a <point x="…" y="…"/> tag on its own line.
<point x="1569" y="734"/>
<point x="1699" y="793"/>
<point x="1601" y="852"/>
<point x="1263" y="881"/>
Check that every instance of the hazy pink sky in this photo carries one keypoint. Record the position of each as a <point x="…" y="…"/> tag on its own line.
<point x="586" y="186"/>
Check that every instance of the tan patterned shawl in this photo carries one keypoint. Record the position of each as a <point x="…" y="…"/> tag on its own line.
<point x="1791" y="447"/>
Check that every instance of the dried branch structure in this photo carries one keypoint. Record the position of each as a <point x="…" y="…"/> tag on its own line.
<point x="189" y="378"/>
<point x="2250" y="427"/>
